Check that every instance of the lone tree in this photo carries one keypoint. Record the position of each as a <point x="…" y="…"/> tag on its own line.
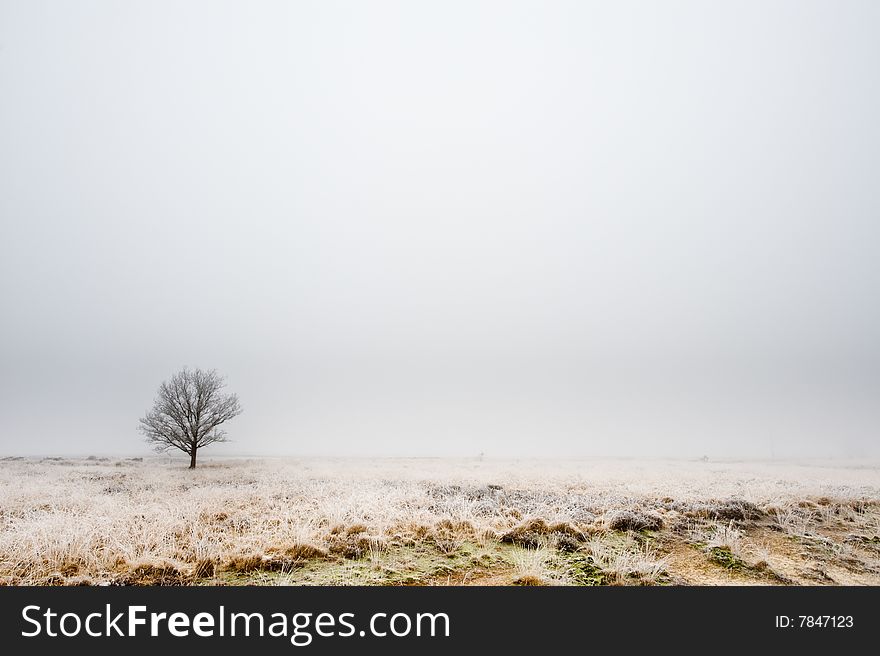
<point x="188" y="411"/>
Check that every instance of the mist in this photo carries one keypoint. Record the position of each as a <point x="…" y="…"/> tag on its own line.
<point x="444" y="229"/>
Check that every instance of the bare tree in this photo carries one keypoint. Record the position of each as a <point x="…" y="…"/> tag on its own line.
<point x="188" y="411"/>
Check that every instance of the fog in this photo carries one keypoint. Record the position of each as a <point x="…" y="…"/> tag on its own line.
<point x="411" y="228"/>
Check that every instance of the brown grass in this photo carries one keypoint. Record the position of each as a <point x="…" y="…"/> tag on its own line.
<point x="633" y="520"/>
<point x="153" y="574"/>
<point x="529" y="580"/>
<point x="204" y="568"/>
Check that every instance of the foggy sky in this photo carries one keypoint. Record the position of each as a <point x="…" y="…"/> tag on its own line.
<point x="441" y="228"/>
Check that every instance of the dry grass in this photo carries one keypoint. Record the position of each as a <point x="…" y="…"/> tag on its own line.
<point x="627" y="561"/>
<point x="534" y="567"/>
<point x="726" y="537"/>
<point x="633" y="520"/>
<point x="134" y="521"/>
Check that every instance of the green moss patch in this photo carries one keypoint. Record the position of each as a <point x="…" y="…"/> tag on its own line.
<point x="583" y="570"/>
<point x="725" y="558"/>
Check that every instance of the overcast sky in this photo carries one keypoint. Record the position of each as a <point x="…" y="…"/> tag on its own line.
<point x="440" y="228"/>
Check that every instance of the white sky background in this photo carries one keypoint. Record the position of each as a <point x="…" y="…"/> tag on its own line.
<point x="413" y="228"/>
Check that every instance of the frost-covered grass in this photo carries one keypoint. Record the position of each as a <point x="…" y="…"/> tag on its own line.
<point x="78" y="520"/>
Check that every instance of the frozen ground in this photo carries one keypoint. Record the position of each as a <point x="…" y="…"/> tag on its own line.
<point x="438" y="521"/>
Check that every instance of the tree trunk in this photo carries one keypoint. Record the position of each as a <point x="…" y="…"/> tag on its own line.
<point x="192" y="459"/>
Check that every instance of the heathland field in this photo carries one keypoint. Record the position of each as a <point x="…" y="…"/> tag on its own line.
<point x="101" y="521"/>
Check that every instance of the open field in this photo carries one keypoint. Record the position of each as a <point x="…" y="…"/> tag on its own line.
<point x="438" y="522"/>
